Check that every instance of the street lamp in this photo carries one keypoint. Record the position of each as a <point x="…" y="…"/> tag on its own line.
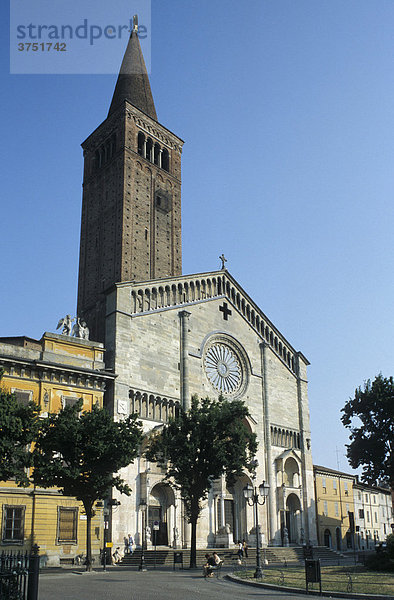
<point x="106" y="519"/>
<point x="252" y="496"/>
<point x="142" y="566"/>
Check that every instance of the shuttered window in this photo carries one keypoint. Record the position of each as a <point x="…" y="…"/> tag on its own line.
<point x="23" y="396"/>
<point x="67" y="525"/>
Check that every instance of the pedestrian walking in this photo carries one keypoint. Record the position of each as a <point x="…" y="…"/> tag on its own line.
<point x="245" y="548"/>
<point x="240" y="551"/>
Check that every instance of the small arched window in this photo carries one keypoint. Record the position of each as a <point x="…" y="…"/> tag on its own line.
<point x="149" y="149"/>
<point x="165" y="160"/>
<point x="156" y="157"/>
<point x="141" y="143"/>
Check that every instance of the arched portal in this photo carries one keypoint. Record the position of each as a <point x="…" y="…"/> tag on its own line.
<point x="243" y="518"/>
<point x="160" y="515"/>
<point x="291" y="473"/>
<point x="293" y="518"/>
<point x="327" y="538"/>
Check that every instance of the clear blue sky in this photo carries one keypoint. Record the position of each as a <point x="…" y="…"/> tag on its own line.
<point x="287" y="111"/>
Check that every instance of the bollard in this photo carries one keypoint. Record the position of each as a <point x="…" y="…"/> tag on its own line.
<point x="34" y="572"/>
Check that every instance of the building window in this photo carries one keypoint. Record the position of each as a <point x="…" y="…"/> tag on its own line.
<point x="324" y="485"/>
<point x="347" y="509"/>
<point x="376" y="517"/>
<point x="141" y="144"/>
<point x="325" y="508"/>
<point x="334" y="485"/>
<point x="361" y="513"/>
<point x="165" y="160"/>
<point x="67" y="521"/>
<point x="336" y="509"/>
<point x="13" y="523"/>
<point x="374" y="499"/>
<point x="367" y="516"/>
<point x="69" y="401"/>
<point x="23" y="396"/>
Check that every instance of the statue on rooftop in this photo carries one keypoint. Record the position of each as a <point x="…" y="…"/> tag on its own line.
<point x="66" y="323"/>
<point x="80" y="329"/>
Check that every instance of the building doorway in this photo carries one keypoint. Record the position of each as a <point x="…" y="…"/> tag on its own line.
<point x="160" y="514"/>
<point x="293" y="518"/>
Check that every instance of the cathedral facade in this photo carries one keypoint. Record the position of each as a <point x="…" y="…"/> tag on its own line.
<point x="169" y="336"/>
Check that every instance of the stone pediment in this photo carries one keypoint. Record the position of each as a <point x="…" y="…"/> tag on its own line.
<point x="290" y="453"/>
<point x="179" y="292"/>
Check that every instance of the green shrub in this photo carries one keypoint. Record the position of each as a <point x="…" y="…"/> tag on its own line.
<point x="380" y="562"/>
<point x="390" y="545"/>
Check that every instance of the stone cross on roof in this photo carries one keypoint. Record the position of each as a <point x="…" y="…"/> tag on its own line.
<point x="224" y="260"/>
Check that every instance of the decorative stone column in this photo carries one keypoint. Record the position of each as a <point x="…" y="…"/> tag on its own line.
<point x="222" y="515"/>
<point x="306" y="458"/>
<point x="184" y="374"/>
<point x="211" y="518"/>
<point x="186" y="529"/>
<point x="271" y="508"/>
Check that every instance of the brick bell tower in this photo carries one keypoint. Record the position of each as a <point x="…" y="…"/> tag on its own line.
<point x="131" y="203"/>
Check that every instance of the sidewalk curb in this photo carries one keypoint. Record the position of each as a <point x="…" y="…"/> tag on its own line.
<point x="271" y="586"/>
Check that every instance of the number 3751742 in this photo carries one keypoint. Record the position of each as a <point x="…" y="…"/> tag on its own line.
<point x="42" y="46"/>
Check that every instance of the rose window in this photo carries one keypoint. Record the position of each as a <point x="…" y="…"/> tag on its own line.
<point x="223" y="369"/>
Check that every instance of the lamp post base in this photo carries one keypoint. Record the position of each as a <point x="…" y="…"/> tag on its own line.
<point x="258" y="574"/>
<point x="142" y="566"/>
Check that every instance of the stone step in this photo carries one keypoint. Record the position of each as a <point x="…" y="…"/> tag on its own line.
<point x="274" y="554"/>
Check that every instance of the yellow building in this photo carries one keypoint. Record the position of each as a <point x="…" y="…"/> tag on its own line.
<point x="334" y="508"/>
<point x="54" y="372"/>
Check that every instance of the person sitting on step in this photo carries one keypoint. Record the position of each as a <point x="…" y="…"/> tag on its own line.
<point x="209" y="566"/>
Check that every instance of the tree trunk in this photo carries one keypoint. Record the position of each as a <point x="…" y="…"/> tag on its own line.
<point x="193" y="541"/>
<point x="88" y="510"/>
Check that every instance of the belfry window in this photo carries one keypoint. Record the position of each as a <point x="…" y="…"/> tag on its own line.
<point x="157" y="157"/>
<point x="105" y="152"/>
<point x="141" y="144"/>
<point x="165" y="160"/>
<point x="149" y="148"/>
<point x="153" y="152"/>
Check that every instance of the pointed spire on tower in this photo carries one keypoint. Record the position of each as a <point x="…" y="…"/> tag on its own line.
<point x="133" y="81"/>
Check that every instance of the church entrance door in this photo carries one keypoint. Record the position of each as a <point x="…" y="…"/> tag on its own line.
<point x="162" y="511"/>
<point x="243" y="526"/>
<point x="160" y="536"/>
<point x="293" y="518"/>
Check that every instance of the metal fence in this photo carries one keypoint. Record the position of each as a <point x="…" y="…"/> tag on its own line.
<point x="13" y="575"/>
<point x="19" y="575"/>
<point x="334" y="579"/>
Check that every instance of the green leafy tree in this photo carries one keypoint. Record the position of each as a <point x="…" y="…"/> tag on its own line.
<point x="81" y="455"/>
<point x="200" y="445"/>
<point x="390" y="545"/>
<point x="18" y="427"/>
<point x="370" y="418"/>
